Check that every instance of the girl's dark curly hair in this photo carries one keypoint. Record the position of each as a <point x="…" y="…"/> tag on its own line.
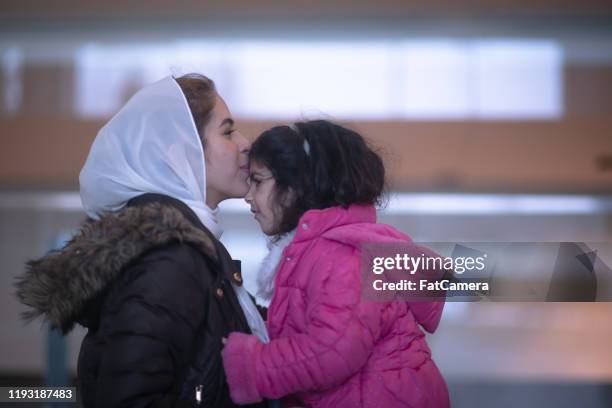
<point x="322" y="164"/>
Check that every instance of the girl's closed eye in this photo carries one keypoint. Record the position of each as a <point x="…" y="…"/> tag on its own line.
<point x="254" y="180"/>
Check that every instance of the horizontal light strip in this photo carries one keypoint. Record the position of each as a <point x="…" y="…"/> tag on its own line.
<point x="67" y="201"/>
<point x="494" y="204"/>
<point x="399" y="204"/>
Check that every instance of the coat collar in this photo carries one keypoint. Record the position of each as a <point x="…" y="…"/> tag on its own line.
<point x="124" y="236"/>
<point x="316" y="222"/>
<point x="151" y="198"/>
<point x="230" y="268"/>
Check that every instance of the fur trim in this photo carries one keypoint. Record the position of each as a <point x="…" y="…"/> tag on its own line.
<point x="59" y="285"/>
<point x="268" y="268"/>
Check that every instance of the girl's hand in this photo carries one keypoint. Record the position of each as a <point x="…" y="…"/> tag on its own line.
<point x="224" y="340"/>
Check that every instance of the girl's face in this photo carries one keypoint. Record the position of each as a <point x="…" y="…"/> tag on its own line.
<point x="225" y="151"/>
<point x="262" y="199"/>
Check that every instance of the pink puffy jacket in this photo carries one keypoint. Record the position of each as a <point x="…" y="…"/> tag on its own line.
<point x="329" y="347"/>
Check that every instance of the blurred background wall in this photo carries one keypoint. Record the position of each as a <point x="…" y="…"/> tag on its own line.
<point x="493" y="118"/>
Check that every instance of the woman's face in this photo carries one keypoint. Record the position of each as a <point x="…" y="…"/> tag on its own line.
<point x="262" y="199"/>
<point x="225" y="151"/>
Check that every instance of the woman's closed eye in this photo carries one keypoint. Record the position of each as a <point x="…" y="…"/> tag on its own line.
<point x="228" y="133"/>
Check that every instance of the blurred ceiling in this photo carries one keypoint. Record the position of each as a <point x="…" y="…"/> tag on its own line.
<point x="66" y="11"/>
<point x="20" y="9"/>
<point x="156" y="20"/>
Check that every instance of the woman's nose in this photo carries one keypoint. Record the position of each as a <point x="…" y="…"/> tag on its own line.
<point x="243" y="144"/>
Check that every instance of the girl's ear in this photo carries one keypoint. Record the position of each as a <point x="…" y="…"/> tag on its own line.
<point x="281" y="201"/>
<point x="289" y="198"/>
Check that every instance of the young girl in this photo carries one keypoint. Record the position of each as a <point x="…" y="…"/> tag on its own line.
<point x="314" y="187"/>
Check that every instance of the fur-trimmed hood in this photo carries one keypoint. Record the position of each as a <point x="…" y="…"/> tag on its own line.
<point x="61" y="284"/>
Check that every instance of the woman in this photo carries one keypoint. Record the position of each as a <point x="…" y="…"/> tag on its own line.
<point x="314" y="187"/>
<point x="147" y="274"/>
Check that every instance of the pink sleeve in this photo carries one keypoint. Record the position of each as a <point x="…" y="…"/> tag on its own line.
<point x="239" y="356"/>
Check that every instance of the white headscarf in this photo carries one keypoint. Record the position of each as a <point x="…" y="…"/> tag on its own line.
<point x="152" y="146"/>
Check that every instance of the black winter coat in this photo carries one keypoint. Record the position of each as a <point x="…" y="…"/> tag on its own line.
<point x="153" y="287"/>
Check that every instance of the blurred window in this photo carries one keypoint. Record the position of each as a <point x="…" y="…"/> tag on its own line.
<point x="411" y="79"/>
<point x="11" y="60"/>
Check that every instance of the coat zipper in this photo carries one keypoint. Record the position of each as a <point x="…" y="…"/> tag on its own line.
<point x="198" y="394"/>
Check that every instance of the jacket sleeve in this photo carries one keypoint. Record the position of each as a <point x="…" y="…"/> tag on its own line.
<point x="151" y="325"/>
<point x="340" y="333"/>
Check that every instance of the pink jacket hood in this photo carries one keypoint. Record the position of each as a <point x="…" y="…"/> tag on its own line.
<point x="357" y="225"/>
